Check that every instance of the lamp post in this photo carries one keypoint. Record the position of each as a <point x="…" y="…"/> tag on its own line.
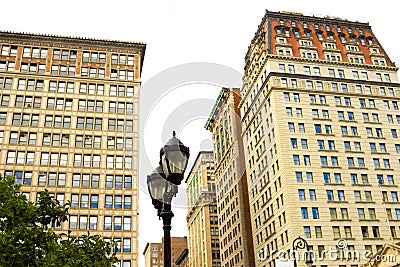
<point x="301" y="243"/>
<point x="163" y="185"/>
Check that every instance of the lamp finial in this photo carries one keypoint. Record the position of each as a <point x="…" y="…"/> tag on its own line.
<point x="173" y="133"/>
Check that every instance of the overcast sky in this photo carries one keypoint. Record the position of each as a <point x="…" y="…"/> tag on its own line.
<point x="178" y="32"/>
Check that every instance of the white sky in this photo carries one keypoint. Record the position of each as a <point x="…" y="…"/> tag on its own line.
<point x="184" y="31"/>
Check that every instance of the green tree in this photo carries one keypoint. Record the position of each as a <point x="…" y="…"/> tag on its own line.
<point x="27" y="237"/>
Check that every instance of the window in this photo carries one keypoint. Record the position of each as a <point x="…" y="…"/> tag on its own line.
<point x="306" y="159"/>
<point x="312" y="195"/>
<point x="107" y="223"/>
<point x="301" y="128"/>
<point x="327" y="178"/>
<point x="299" y="177"/>
<point x="307" y="70"/>
<point x="304" y="213"/>
<point x="286" y="97"/>
<point x="315" y="213"/>
<point x="284" y="82"/>
<point x="301" y="194"/>
<point x="307" y="231"/>
<point x="304" y="144"/>
<point x="336" y="232"/>
<point x="324" y="160"/>
<point x="333" y="213"/>
<point x="341" y="195"/>
<point x="321" y="144"/>
<point x="299" y="113"/>
<point x="294" y="142"/>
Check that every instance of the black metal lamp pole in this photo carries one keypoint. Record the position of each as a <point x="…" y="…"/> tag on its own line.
<point x="166" y="214"/>
<point x="163" y="186"/>
<point x="301" y="243"/>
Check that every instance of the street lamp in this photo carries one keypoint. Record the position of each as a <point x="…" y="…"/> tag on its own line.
<point x="163" y="184"/>
<point x="301" y="243"/>
<point x="174" y="159"/>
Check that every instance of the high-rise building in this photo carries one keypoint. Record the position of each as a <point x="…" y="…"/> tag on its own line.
<point x="230" y="178"/>
<point x="154" y="256"/>
<point x="321" y="121"/>
<point x="202" y="217"/>
<point x="69" y="115"/>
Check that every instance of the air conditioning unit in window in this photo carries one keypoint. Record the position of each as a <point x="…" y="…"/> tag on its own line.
<point x="42" y="173"/>
<point x="29" y="105"/>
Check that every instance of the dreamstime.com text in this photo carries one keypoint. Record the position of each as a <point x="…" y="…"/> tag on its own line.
<point x="339" y="253"/>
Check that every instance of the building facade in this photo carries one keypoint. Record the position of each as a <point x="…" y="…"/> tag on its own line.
<point x="321" y="122"/>
<point x="202" y="215"/>
<point x="153" y="252"/>
<point x="235" y="231"/>
<point x="69" y="124"/>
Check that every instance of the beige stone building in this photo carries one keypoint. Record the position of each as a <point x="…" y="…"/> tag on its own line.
<point x="153" y="252"/>
<point x="388" y="257"/>
<point x="235" y="232"/>
<point x="69" y="123"/>
<point x="202" y="218"/>
<point x="321" y="124"/>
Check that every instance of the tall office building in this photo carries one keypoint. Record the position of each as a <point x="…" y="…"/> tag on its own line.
<point x="230" y="177"/>
<point x="69" y="123"/>
<point x="321" y="122"/>
<point x="154" y="256"/>
<point x="202" y="218"/>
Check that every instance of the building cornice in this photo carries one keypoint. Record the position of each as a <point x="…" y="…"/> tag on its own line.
<point x="217" y="105"/>
<point x="77" y="41"/>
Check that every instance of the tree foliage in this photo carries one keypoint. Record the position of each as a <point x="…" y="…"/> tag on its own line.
<point x="27" y="237"/>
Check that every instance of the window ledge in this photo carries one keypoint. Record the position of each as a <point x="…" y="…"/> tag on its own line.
<point x="337" y="201"/>
<point x="384" y="169"/>
<point x="322" y="119"/>
<point x="376" y="137"/>
<point x="344" y="120"/>
<point x="345" y="106"/>
<point x="319" y="104"/>
<point x="369" y="108"/>
<point x="390" y="202"/>
<point x="361" y="184"/>
<point x="324" y="134"/>
<point x="358" y="168"/>
<point x="373" y="122"/>
<point x="346" y="135"/>
<point x="366" y="202"/>
<point x="388" y="185"/>
<point x="334" y="184"/>
<point x="341" y="220"/>
<point x="354" y="151"/>
<point x="369" y="220"/>
<point x="331" y="167"/>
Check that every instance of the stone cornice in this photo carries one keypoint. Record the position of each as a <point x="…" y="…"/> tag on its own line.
<point x="49" y="38"/>
<point x="138" y="47"/>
